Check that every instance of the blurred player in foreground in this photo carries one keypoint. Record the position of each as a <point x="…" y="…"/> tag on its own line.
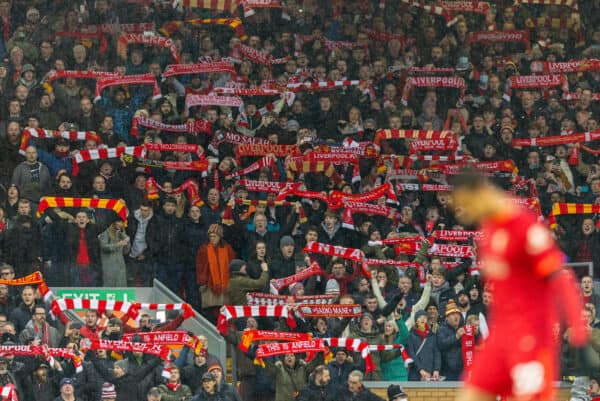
<point x="532" y="291"/>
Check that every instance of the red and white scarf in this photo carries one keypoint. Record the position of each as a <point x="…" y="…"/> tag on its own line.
<point x="310" y="347"/>
<point x="446" y="144"/>
<point x="63" y="304"/>
<point x="189" y="186"/>
<point x="250" y="5"/>
<point x="167" y="338"/>
<point x="137" y="27"/>
<point x="259" y="164"/>
<point x="334" y="250"/>
<point x="129" y="38"/>
<point x="465" y="6"/>
<point x="253" y="54"/>
<point x="365" y="208"/>
<point x="488" y="37"/>
<point x="193" y="100"/>
<point x="140" y="79"/>
<point x="230" y="312"/>
<point x="188" y="311"/>
<point x="104" y="153"/>
<point x="400" y="187"/>
<point x="457" y="235"/>
<point x="468" y="349"/>
<point x="250" y="336"/>
<point x="412" y="134"/>
<point x="431" y="9"/>
<point x="549" y="67"/>
<point x="53" y="134"/>
<point x="558" y="139"/>
<point x="434" y="82"/>
<point x="277" y="284"/>
<point x="320" y="85"/>
<point x="246" y="91"/>
<point x="261" y="298"/>
<point x="354" y="345"/>
<point x="80" y="74"/>
<point x="263" y="150"/>
<point x="267" y="186"/>
<point x="334" y="310"/>
<point x="200" y="68"/>
<point x="48" y="353"/>
<point x="8" y="392"/>
<point x="125" y="346"/>
<point x="190" y="127"/>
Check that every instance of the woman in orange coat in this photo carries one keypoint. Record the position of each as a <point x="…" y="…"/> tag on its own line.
<point x="212" y="271"/>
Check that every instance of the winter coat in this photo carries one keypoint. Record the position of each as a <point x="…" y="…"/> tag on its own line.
<point x="392" y="363"/>
<point x="183" y="393"/>
<point x="312" y="392"/>
<point x="451" y="349"/>
<point x="339" y="373"/>
<point x="191" y="375"/>
<point x="442" y="295"/>
<point x="203" y="396"/>
<point x="195" y="235"/>
<point x="113" y="260"/>
<point x="240" y="284"/>
<point x="428" y="358"/>
<point x="29" y="332"/>
<point x="21" y="315"/>
<point x="28" y="188"/>
<point x="288" y="381"/>
<point x="165" y="238"/>
<point x="129" y="387"/>
<point x="282" y="267"/>
<point x="364" y="395"/>
<point x="209" y="297"/>
<point x="373" y="338"/>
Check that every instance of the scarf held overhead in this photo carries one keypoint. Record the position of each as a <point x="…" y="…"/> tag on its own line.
<point x="229" y="312"/>
<point x="261" y="298"/>
<point x="140" y="79"/>
<point x="116" y="205"/>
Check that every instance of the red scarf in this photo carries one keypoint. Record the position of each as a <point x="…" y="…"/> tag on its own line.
<point x="168" y="338"/>
<point x="488" y="37"/>
<point x="200" y="68"/>
<point x="60" y="74"/>
<point x="279" y="283"/>
<point x="173" y="386"/>
<point x="468" y="348"/>
<point x="189" y="127"/>
<point x="85" y="155"/>
<point x="250" y="336"/>
<point x="189" y="186"/>
<point x="261" y="298"/>
<point x="351" y="310"/>
<point x="558" y="139"/>
<point x="422" y="333"/>
<point x="366" y="208"/>
<point x="140" y="79"/>
<point x="53" y="134"/>
<point x="250" y="5"/>
<point x="128" y="38"/>
<point x="436" y="82"/>
<point x="193" y="100"/>
<point x="263" y="150"/>
<point x="152" y="349"/>
<point x="549" y="67"/>
<point x="229" y="312"/>
<point x="310" y="347"/>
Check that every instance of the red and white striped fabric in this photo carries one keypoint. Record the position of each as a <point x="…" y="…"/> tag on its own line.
<point x="230" y="312"/>
<point x="313" y="86"/>
<point x="105" y="153"/>
<point x="187" y="308"/>
<point x="354" y="345"/>
<point x="432" y="9"/>
<point x="389" y="347"/>
<point x="53" y="134"/>
<point x="8" y="393"/>
<point x="261" y="298"/>
<point x="63" y="304"/>
<point x="152" y="349"/>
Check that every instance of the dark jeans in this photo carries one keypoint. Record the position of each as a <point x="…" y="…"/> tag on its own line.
<point x="140" y="273"/>
<point x="83" y="276"/>
<point x="170" y="275"/>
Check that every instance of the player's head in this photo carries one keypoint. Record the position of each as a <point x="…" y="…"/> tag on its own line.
<point x="470" y="193"/>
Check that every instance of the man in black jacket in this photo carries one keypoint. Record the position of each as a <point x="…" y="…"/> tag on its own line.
<point x="450" y="344"/>
<point x="356" y="391"/>
<point x="165" y="240"/>
<point x="320" y="387"/>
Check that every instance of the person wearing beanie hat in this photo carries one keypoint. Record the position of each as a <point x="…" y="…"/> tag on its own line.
<point x="108" y="392"/>
<point x="423" y="348"/>
<point x="284" y="264"/>
<point x="332" y="287"/>
<point x="441" y="291"/>
<point x="228" y="391"/>
<point x="449" y="341"/>
<point x="172" y="389"/>
<point x="130" y="379"/>
<point x="395" y="393"/>
<point x="241" y="284"/>
<point x="215" y="262"/>
<point x="67" y="389"/>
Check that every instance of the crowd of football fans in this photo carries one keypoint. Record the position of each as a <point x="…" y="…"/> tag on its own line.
<point x="339" y="72"/>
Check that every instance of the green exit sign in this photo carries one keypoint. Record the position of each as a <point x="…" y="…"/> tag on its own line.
<point x="127" y="295"/>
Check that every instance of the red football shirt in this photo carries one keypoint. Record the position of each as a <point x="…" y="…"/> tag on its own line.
<point x="519" y="357"/>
